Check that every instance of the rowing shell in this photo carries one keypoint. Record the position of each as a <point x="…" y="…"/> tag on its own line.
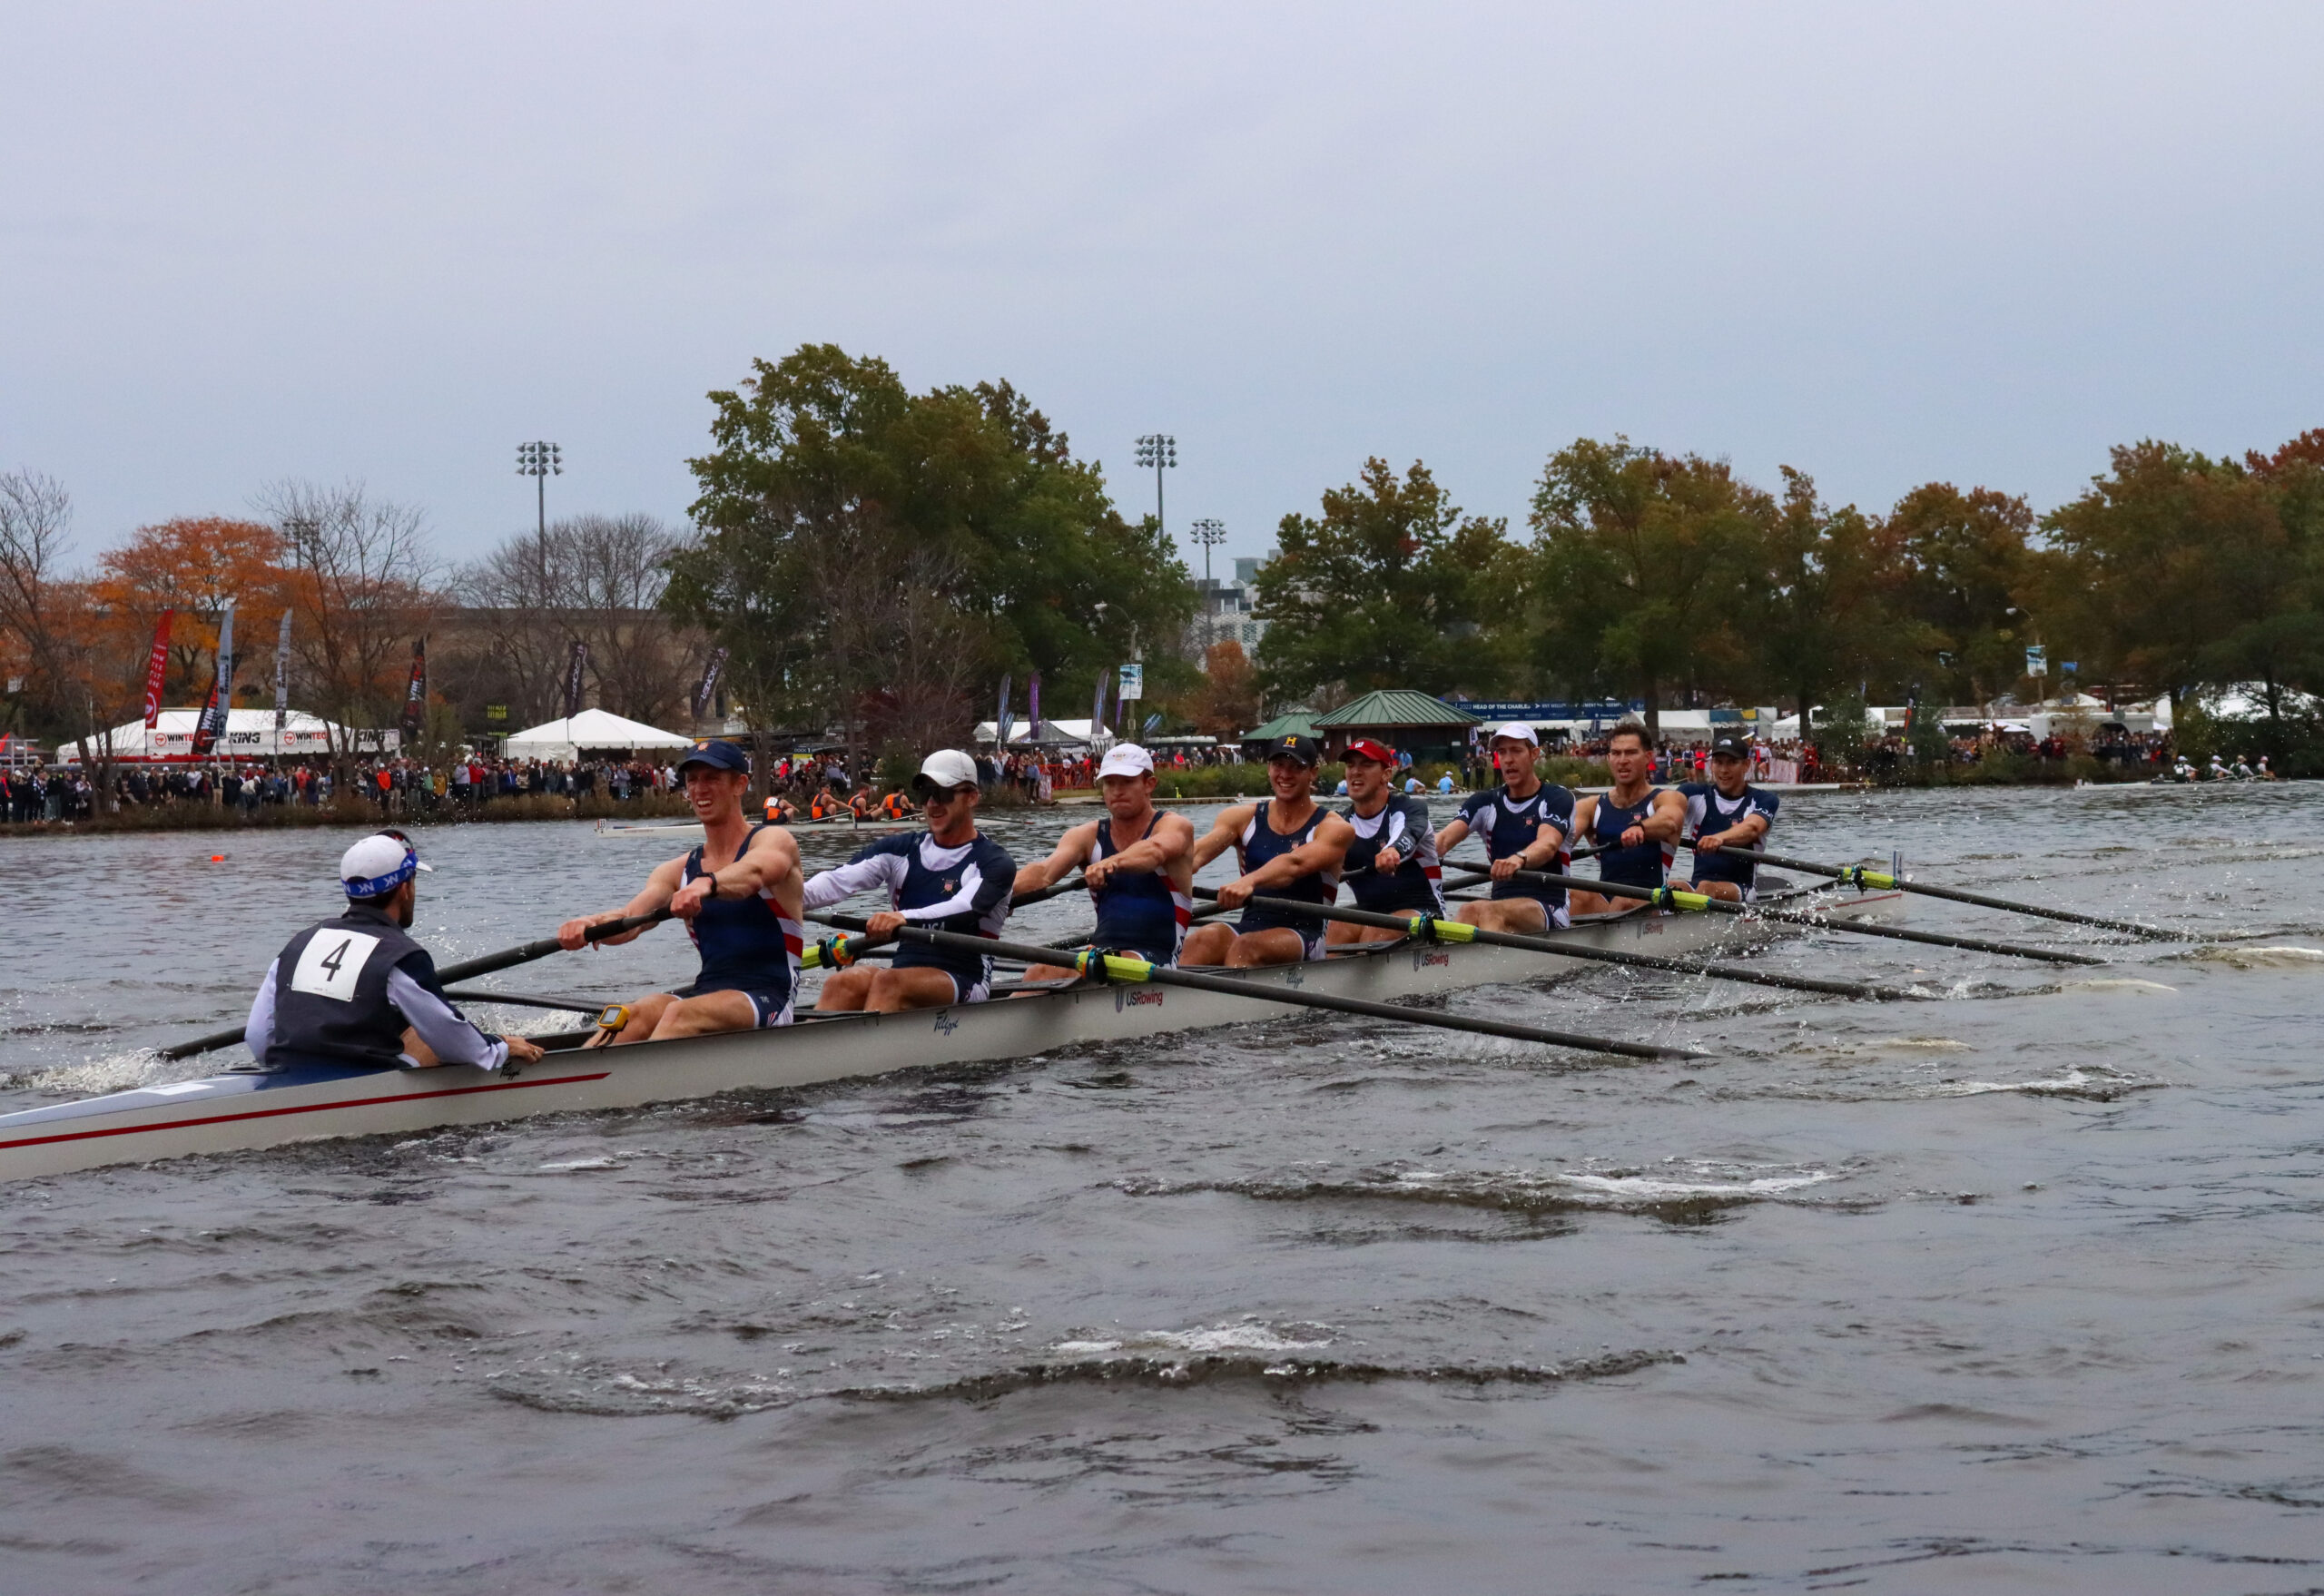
<point x="250" y="1108"/>
<point x="683" y="828"/>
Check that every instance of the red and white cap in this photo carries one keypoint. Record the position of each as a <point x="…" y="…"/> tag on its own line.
<point x="1366" y="748"/>
<point x="1125" y="759"/>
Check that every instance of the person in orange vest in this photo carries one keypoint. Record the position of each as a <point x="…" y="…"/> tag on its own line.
<point x="780" y="810"/>
<point x="859" y="802"/>
<point x="825" y="805"/>
<point x="894" y="807"/>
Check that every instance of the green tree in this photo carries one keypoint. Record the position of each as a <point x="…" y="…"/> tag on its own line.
<point x="2178" y="571"/>
<point x="869" y="555"/>
<point x="1817" y="602"/>
<point x="1965" y="560"/>
<point x="1639" y="560"/>
<point x="1380" y="590"/>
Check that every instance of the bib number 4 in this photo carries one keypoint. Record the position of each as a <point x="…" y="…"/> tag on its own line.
<point x="333" y="963"/>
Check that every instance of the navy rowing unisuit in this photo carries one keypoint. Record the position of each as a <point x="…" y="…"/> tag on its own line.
<point x="963" y="889"/>
<point x="1646" y="864"/>
<point x="1509" y="825"/>
<point x="747" y="946"/>
<point x="1260" y="843"/>
<point x="1401" y="824"/>
<point x="1710" y="810"/>
<point x="1144" y="913"/>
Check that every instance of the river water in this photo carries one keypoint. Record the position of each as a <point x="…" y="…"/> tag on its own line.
<point x="2015" y="1292"/>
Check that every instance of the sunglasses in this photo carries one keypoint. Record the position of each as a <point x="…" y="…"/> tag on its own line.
<point x="944" y="794"/>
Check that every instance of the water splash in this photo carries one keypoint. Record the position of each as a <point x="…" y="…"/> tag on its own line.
<point x="2285" y="958"/>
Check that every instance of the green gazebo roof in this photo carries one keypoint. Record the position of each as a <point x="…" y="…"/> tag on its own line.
<point x="1298" y="723"/>
<point x="1393" y="707"/>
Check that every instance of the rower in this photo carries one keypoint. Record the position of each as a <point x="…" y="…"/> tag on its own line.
<point x="1288" y="847"/>
<point x="1726" y="811"/>
<point x="1524" y="822"/>
<point x="738" y="894"/>
<point x="1635" y="824"/>
<point x="860" y="803"/>
<point x="1390" y="866"/>
<point x="363" y="995"/>
<point x="825" y="805"/>
<point x="1138" y="864"/>
<point x="780" y="810"/>
<point x="947" y="878"/>
<point x="894" y="806"/>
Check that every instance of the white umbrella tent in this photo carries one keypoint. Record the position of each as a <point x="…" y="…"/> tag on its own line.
<point x="593" y="730"/>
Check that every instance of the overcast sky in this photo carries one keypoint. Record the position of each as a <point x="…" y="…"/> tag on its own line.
<point x="1883" y="243"/>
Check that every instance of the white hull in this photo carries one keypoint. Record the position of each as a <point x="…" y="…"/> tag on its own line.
<point x="250" y="1108"/>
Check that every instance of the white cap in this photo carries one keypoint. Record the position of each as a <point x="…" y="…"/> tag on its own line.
<point x="1519" y="730"/>
<point x="1125" y="759"/>
<point x="948" y="767"/>
<point x="377" y="865"/>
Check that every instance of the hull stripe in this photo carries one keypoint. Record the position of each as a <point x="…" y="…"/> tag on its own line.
<point x="455" y="1091"/>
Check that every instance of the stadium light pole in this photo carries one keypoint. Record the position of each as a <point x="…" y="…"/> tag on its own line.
<point x="1210" y="533"/>
<point x="1160" y="451"/>
<point x="539" y="461"/>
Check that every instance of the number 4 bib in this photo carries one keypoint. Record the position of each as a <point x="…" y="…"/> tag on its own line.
<point x="331" y="964"/>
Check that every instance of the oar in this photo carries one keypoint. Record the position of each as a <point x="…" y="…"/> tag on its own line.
<point x="1856" y="875"/>
<point x="1116" y="966"/>
<point x="1436" y="928"/>
<point x="1665" y="898"/>
<point x="466" y="969"/>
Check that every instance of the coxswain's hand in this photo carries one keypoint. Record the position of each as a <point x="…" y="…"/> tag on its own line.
<point x="1507" y="866"/>
<point x="523" y="1050"/>
<point x="1633" y="836"/>
<point x="884" y="925"/>
<point x="1236" y="892"/>
<point x="573" y="933"/>
<point x="1386" y="861"/>
<point x="688" y="901"/>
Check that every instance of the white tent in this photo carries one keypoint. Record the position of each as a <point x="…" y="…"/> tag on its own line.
<point x="250" y="735"/>
<point x="595" y="729"/>
<point x="1068" y="733"/>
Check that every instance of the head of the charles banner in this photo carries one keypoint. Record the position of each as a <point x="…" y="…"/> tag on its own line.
<point x="379" y="864"/>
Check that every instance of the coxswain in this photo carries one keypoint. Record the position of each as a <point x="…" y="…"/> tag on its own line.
<point x="1726" y="811"/>
<point x="1634" y="826"/>
<point x="1524" y="822"/>
<point x="948" y="877"/>
<point x="1138" y="864"/>
<point x="1288" y="847"/>
<point x="738" y="894"/>
<point x="357" y="994"/>
<point x="780" y="810"/>
<point x="1390" y="865"/>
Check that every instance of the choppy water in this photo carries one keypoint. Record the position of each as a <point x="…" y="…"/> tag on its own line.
<point x="2016" y="1292"/>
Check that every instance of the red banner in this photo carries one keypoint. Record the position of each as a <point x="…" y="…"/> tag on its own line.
<point x="154" y="666"/>
<point x="415" y="693"/>
<point x="210" y="722"/>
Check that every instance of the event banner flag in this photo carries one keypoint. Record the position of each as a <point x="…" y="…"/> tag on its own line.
<point x="155" y="666"/>
<point x="575" y="672"/>
<point x="1133" y="683"/>
<point x="707" y="693"/>
<point x="415" y="691"/>
<point x="1097" y="704"/>
<point x="212" y="730"/>
<point x="282" y="677"/>
<point x="1033" y="703"/>
<point x="207" y="724"/>
<point x="1001" y="727"/>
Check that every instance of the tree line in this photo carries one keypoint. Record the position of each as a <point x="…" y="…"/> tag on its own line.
<point x="1672" y="580"/>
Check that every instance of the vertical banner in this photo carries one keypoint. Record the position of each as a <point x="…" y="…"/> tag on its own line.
<point x="1097" y="704"/>
<point x="282" y="678"/>
<point x="415" y="694"/>
<point x="1152" y="721"/>
<point x="1000" y="727"/>
<point x="1033" y="703"/>
<point x="156" y="665"/>
<point x="1912" y="710"/>
<point x="575" y="669"/>
<point x="220" y="703"/>
<point x="2037" y="660"/>
<point x="205" y="724"/>
<point x="706" y="694"/>
<point x="1133" y="683"/>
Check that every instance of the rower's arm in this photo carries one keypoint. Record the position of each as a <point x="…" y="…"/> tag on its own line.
<point x="1585" y="816"/>
<point x="1173" y="835"/>
<point x="660" y="888"/>
<point x="1542" y="852"/>
<point x="1669" y="819"/>
<point x="1455" y="833"/>
<point x="257" y="1030"/>
<point x="1323" y="850"/>
<point x="1071" y="848"/>
<point x="771" y="859"/>
<point x="1224" y="834"/>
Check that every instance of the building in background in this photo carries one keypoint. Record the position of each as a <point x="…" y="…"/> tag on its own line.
<point x="1224" y="616"/>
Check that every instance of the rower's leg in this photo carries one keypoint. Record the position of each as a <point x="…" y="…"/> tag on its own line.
<point x="844" y="990"/>
<point x="643" y="1015"/>
<point x="1727" y="891"/>
<point x="419" y="1052"/>
<point x="1277" y="944"/>
<point x="1523" y="917"/>
<point x="1037" y="973"/>
<point x="1340" y="934"/>
<point x="712" y="1011"/>
<point x="1580" y="903"/>
<point x="912" y="987"/>
<point x="1208" y="944"/>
